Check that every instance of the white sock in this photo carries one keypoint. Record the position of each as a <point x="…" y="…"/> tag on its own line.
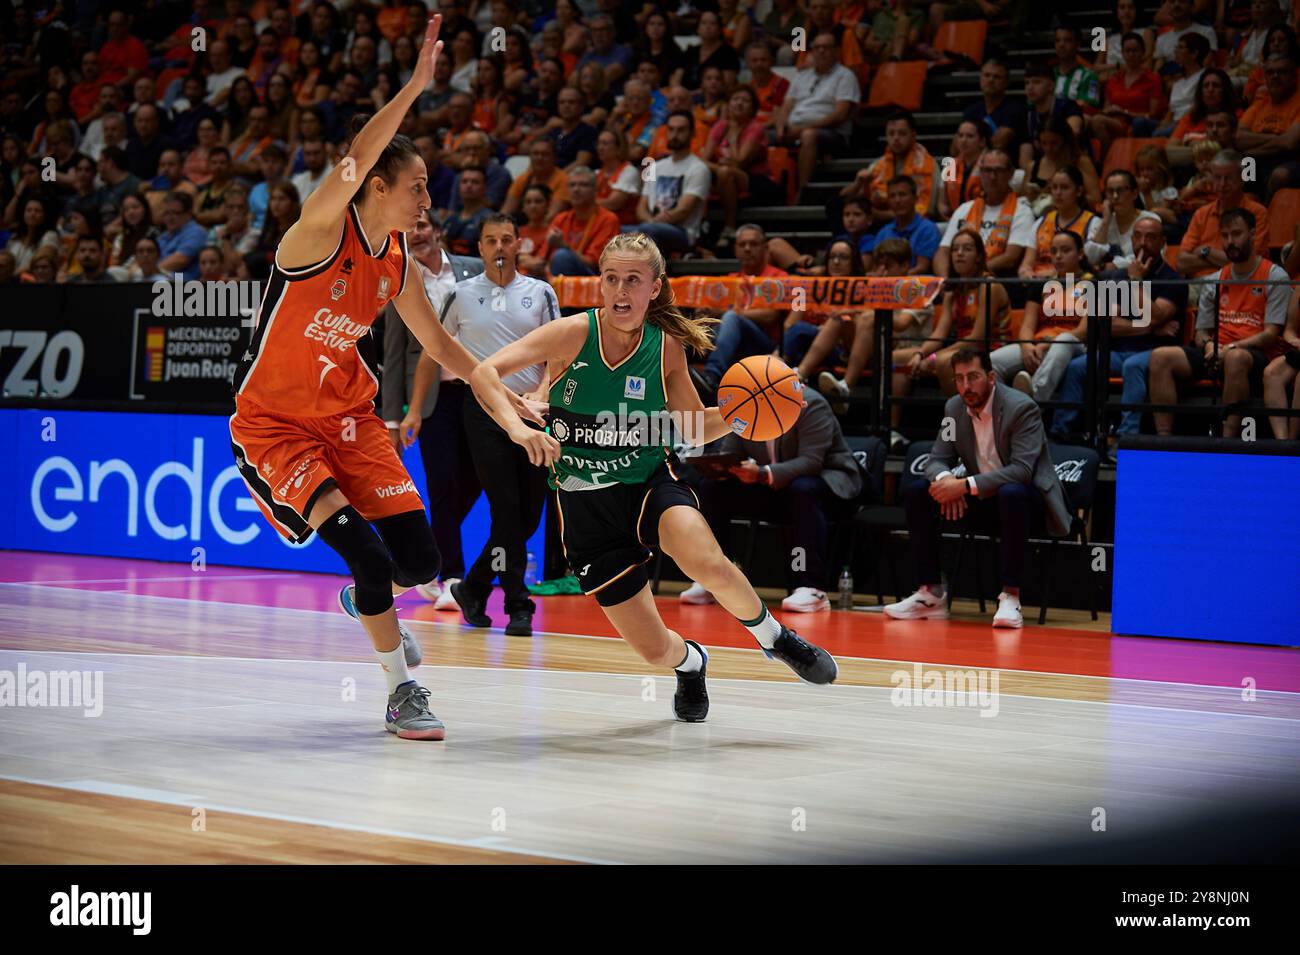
<point x="765" y="630"/>
<point x="694" y="660"/>
<point x="394" y="664"/>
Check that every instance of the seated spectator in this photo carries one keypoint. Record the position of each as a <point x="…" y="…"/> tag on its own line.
<point x="618" y="182"/>
<point x="1043" y="105"/>
<point x="122" y="57"/>
<point x="209" y="206"/>
<point x="83" y="183"/>
<point x="1055" y="323"/>
<point x="43" y="268"/>
<point x="1193" y="51"/>
<point x="678" y="100"/>
<point x="823" y="17"/>
<point x="1133" y="93"/>
<point x="614" y="58"/>
<point x="282" y="211"/>
<point x="737" y="22"/>
<point x="657" y="45"/>
<point x="517" y="62"/>
<point x="1201" y="252"/>
<point x="1270" y="128"/>
<point x="969" y="315"/>
<point x="959" y="175"/>
<point x="256" y="138"/>
<point x="90" y="262"/>
<point x="1003" y="116"/>
<point x="769" y="87"/>
<point x="806" y="479"/>
<point x="1199" y="190"/>
<point x="222" y="73"/>
<point x="534" y="249"/>
<point x="475" y="149"/>
<point x="783" y="23"/>
<point x="272" y="163"/>
<point x="712" y="50"/>
<point x="1249" y="51"/>
<point x="1280" y="39"/>
<point x="579" y="234"/>
<point x="35" y="232"/>
<point x="493" y="108"/>
<point x="894" y="31"/>
<point x="235" y="237"/>
<point x="1132" y="336"/>
<point x="736" y="154"/>
<point x="1126" y="22"/>
<point x="133" y="223"/>
<point x="542" y="169"/>
<point x="675" y="192"/>
<point x="1003" y="219"/>
<point x="1060" y="148"/>
<point x="920" y="233"/>
<point x="1214" y="94"/>
<point x="181" y="238"/>
<point x="710" y="101"/>
<point x="243" y="97"/>
<point x="1155" y="177"/>
<point x="1113" y="246"/>
<point x="597" y="100"/>
<point x="842" y="335"/>
<point x="817" y="115"/>
<point x="537" y="106"/>
<point x="461" y="229"/>
<point x="903" y="156"/>
<point x="1067" y="214"/>
<point x="1280" y="374"/>
<point x="1010" y="488"/>
<point x="318" y="167"/>
<point x="1181" y="27"/>
<point x="195" y="167"/>
<point x="741" y="334"/>
<point x="312" y="79"/>
<point x="1075" y="79"/>
<point x="283" y="114"/>
<point x="635" y="119"/>
<point x="1248" y="325"/>
<point x="574" y="140"/>
<point x="108" y="130"/>
<point x="211" y="264"/>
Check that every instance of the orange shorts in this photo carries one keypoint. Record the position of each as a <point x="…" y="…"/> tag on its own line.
<point x="288" y="462"/>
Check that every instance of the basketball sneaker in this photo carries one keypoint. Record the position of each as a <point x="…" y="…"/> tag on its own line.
<point x="411" y="648"/>
<point x="472" y="608"/>
<point x="1008" y="614"/>
<point x="809" y="662"/>
<point x="408" y="714"/>
<point x="691" y="701"/>
<point x="695" y="594"/>
<point x="806" y="600"/>
<point x="835" y="390"/>
<point x="521" y="620"/>
<point x="445" y="600"/>
<point x="430" y="591"/>
<point x="921" y="605"/>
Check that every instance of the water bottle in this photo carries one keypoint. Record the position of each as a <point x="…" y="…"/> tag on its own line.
<point x="530" y="571"/>
<point x="846" y="590"/>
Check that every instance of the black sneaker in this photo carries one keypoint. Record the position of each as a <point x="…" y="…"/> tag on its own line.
<point x="521" y="621"/>
<point x="809" y="662"/>
<point x="691" y="701"/>
<point x="705" y="384"/>
<point x="473" y="609"/>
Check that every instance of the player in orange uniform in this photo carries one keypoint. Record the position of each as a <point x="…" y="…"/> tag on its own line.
<point x="308" y="443"/>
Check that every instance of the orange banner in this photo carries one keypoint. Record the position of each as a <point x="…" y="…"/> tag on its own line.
<point x="785" y="293"/>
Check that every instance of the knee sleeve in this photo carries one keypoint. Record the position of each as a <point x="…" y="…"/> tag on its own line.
<point x="415" y="553"/>
<point x="361" y="549"/>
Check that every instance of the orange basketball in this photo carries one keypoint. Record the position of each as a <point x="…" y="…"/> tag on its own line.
<point x="760" y="397"/>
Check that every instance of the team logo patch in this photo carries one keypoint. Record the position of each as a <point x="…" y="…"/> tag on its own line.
<point x="527" y="301"/>
<point x="739" y="425"/>
<point x="266" y="468"/>
<point x="570" y="387"/>
<point x="634" y="388"/>
<point x="383" y="289"/>
<point x="338" y="289"/>
<point x="296" y="482"/>
<point x="559" y="430"/>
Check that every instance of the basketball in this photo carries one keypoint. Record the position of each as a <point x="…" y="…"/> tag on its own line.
<point x="760" y="397"/>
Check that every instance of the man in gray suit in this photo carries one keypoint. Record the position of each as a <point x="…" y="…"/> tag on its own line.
<point x="451" y="483"/>
<point x="997" y="435"/>
<point x="807" y="478"/>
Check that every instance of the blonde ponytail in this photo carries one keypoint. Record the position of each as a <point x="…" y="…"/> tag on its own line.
<point x="663" y="311"/>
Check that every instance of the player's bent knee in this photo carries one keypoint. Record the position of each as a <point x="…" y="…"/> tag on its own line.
<point x="415" y="552"/>
<point x="353" y="539"/>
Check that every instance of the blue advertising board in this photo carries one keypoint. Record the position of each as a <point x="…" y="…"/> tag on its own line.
<point x="156" y="487"/>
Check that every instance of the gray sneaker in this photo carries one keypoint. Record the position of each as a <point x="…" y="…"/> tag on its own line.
<point x="408" y="714"/>
<point x="411" y="646"/>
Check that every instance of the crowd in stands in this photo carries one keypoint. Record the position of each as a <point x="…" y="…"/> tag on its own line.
<point x="158" y="138"/>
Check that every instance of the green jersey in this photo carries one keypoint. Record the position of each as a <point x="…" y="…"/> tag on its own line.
<point x="611" y="421"/>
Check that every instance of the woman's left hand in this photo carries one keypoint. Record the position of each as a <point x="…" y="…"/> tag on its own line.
<point x="530" y="408"/>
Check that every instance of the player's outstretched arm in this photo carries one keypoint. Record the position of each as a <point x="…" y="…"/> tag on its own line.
<point x="415" y="310"/>
<point x="316" y="232"/>
<point x="700" y="425"/>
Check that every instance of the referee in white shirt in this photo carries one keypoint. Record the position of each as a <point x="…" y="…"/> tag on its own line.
<point x="485" y="314"/>
<point x="421" y="400"/>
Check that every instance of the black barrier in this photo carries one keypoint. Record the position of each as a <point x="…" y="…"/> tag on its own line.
<point x="107" y="346"/>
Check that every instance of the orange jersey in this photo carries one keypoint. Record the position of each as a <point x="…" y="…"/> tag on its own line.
<point x="1244" y="308"/>
<point x="303" y="359"/>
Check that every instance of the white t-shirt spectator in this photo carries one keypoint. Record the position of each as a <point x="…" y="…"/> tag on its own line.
<point x="220" y="81"/>
<point x="628" y="180"/>
<point x="306" y="184"/>
<point x="1023" y="231"/>
<point x="1167" y="43"/>
<point x="674" y="178"/>
<point x="1182" y="95"/>
<point x="815" y="95"/>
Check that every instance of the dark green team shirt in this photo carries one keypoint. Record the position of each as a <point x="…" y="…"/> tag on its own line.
<point x="611" y="421"/>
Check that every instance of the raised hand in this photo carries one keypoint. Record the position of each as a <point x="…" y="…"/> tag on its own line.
<point x="430" y="50"/>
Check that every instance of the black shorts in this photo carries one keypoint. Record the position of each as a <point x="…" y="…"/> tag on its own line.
<point x="1196" y="358"/>
<point x="608" y="534"/>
